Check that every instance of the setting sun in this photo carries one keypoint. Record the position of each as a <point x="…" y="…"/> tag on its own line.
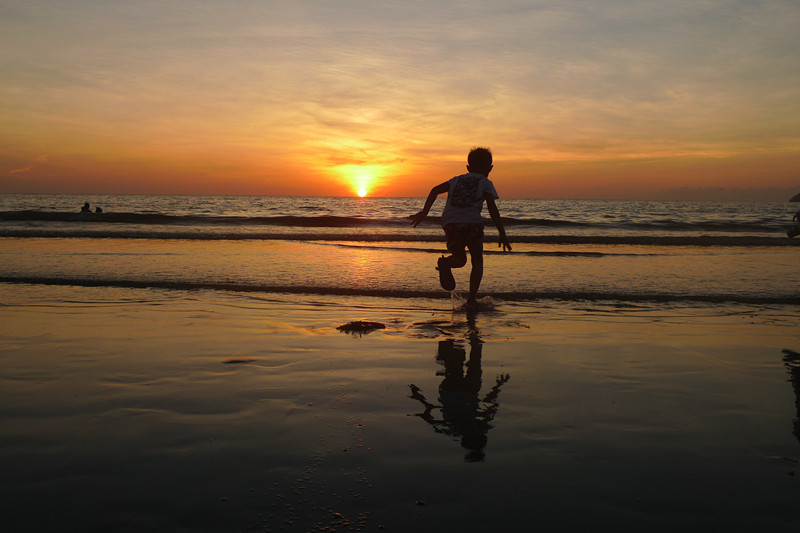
<point x="361" y="179"/>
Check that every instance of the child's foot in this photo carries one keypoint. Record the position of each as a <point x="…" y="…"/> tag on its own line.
<point x="471" y="305"/>
<point x="446" y="278"/>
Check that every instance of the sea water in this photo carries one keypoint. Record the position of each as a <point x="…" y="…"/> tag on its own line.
<point x="174" y="363"/>
<point x="566" y="250"/>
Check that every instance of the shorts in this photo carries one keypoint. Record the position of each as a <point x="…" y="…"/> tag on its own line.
<point x="461" y="235"/>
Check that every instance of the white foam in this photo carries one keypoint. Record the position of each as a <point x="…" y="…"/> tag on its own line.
<point x="459" y="303"/>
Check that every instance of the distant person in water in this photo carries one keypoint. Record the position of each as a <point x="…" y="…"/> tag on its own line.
<point x="98" y="210"/>
<point x="462" y="222"/>
<point x="794" y="231"/>
<point x="86" y="208"/>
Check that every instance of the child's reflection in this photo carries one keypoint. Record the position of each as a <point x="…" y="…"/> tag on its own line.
<point x="463" y="414"/>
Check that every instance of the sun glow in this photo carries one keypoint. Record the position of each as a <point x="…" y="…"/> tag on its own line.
<point x="360" y="179"/>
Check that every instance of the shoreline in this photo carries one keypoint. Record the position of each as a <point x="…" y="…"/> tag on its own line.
<point x="435" y="294"/>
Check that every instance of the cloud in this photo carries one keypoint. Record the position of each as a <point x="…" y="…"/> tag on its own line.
<point x="37" y="160"/>
<point x="19" y="170"/>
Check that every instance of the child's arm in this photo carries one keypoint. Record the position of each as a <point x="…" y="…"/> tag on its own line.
<point x="436" y="191"/>
<point x="495" y="214"/>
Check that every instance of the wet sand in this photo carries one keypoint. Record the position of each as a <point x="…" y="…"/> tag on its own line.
<point x="141" y="409"/>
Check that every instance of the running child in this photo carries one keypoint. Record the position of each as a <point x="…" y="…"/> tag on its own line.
<point x="462" y="222"/>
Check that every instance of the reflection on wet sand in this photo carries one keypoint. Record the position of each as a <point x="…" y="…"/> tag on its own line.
<point x="792" y="361"/>
<point x="464" y="416"/>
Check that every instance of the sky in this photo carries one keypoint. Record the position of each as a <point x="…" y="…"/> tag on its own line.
<point x="611" y="99"/>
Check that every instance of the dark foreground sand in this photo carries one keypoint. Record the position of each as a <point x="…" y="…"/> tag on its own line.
<point x="134" y="410"/>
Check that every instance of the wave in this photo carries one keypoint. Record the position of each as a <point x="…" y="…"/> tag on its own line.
<point x="716" y="226"/>
<point x="336" y="221"/>
<point x="485" y="252"/>
<point x="635" y="240"/>
<point x="326" y="221"/>
<point x="564" y="295"/>
<point x="320" y="221"/>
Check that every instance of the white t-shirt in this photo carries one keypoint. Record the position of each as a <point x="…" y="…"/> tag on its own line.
<point x="465" y="199"/>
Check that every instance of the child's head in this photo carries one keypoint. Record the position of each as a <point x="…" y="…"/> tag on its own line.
<point x="480" y="160"/>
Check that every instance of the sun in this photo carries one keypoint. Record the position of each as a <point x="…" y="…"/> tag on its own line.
<point x="360" y="180"/>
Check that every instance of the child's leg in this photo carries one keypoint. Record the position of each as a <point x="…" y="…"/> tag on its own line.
<point x="458" y="237"/>
<point x="476" y="275"/>
<point x="458" y="258"/>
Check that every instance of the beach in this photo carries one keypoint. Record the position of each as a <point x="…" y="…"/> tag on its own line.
<point x="136" y="409"/>
<point x="187" y="363"/>
<point x="407" y="267"/>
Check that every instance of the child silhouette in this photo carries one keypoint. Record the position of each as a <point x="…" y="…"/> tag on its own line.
<point x="462" y="222"/>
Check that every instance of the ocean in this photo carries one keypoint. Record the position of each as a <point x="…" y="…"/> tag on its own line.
<point x="184" y="363"/>
<point x="570" y="250"/>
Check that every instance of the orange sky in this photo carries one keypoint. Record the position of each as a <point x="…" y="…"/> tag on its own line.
<point x="577" y="99"/>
